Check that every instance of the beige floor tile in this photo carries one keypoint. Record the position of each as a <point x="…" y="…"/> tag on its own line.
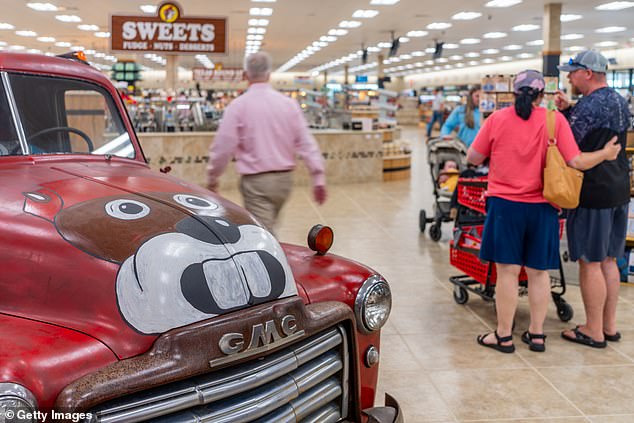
<point x="500" y="394"/>
<point x="596" y="390"/>
<point x="629" y="418"/>
<point x="417" y="396"/>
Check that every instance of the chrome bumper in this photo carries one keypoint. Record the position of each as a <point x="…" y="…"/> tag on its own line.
<point x="391" y="413"/>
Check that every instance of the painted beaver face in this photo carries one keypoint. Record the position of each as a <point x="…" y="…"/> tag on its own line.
<point x="183" y="257"/>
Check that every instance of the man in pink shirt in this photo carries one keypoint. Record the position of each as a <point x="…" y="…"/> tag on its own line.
<point x="264" y="130"/>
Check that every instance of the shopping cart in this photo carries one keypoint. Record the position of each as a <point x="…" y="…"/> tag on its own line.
<point x="480" y="276"/>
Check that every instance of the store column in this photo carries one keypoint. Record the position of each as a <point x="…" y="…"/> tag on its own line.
<point x="552" y="39"/>
<point x="345" y="74"/>
<point x="171" y="73"/>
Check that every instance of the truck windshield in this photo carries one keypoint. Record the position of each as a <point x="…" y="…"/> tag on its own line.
<point x="66" y="116"/>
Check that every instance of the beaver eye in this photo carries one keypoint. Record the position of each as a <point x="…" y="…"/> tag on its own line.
<point x="194" y="202"/>
<point x="127" y="209"/>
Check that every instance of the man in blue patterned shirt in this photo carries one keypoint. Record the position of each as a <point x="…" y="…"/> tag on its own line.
<point x="597" y="228"/>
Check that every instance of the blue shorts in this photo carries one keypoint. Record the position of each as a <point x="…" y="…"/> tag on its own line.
<point x="596" y="234"/>
<point x="526" y="234"/>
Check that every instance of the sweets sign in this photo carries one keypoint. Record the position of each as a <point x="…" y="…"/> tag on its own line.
<point x="227" y="75"/>
<point x="169" y="31"/>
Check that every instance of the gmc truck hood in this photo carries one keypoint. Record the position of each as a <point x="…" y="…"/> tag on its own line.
<point x="123" y="254"/>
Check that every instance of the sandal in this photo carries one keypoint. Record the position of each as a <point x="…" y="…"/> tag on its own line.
<point x="612" y="338"/>
<point x="583" y="339"/>
<point x="497" y="346"/>
<point x="528" y="337"/>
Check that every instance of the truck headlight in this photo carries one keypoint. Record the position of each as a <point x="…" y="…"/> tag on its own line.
<point x="17" y="404"/>
<point x="373" y="304"/>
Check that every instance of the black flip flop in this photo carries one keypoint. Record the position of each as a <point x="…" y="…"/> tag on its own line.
<point x="528" y="337"/>
<point x="507" y="349"/>
<point x="612" y="338"/>
<point x="583" y="339"/>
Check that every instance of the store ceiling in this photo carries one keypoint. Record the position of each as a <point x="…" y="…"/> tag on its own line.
<point x="297" y="24"/>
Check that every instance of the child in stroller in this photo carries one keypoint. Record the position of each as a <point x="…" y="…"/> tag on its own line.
<point x="446" y="158"/>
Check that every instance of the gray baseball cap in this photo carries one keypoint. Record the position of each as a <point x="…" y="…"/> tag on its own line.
<point x="589" y="60"/>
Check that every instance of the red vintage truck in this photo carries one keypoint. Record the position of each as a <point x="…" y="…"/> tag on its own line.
<point x="129" y="295"/>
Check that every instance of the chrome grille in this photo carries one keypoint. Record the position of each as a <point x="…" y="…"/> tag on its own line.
<point x="306" y="382"/>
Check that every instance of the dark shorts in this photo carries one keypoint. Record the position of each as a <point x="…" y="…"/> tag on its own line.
<point x="526" y="234"/>
<point x="596" y="234"/>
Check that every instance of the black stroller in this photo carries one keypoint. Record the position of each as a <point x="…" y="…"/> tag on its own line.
<point x="439" y="152"/>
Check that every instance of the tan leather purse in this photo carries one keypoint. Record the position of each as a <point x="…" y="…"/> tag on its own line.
<point x="562" y="184"/>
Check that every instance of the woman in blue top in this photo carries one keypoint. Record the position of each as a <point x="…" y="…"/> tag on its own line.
<point x="466" y="118"/>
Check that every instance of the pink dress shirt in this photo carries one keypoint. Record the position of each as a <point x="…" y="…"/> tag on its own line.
<point x="264" y="130"/>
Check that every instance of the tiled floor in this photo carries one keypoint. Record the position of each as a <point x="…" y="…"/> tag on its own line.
<point x="430" y="360"/>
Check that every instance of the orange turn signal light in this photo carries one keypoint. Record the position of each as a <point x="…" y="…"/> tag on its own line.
<point x="320" y="239"/>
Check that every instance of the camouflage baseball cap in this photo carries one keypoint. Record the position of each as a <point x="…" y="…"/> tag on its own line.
<point x="589" y="60"/>
<point x="529" y="78"/>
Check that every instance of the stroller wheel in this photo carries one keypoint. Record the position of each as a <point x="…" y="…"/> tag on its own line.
<point x="435" y="232"/>
<point x="422" y="220"/>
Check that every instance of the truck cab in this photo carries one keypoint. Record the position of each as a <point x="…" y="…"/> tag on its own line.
<point x="131" y="296"/>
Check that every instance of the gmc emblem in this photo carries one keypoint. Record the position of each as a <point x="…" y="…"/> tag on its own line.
<point x="264" y="337"/>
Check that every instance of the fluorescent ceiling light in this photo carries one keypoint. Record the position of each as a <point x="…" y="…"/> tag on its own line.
<point x="455" y="57"/>
<point x="384" y="45"/>
<point x="506" y="58"/>
<point x="256" y="31"/>
<point x="610" y="29"/>
<point x="102" y="34"/>
<point x="502" y="3"/>
<point x="4" y="25"/>
<point x="46" y="39"/>
<point x="535" y="43"/>
<point x="148" y="8"/>
<point x="373" y="49"/>
<point x="439" y="25"/>
<point x="2" y="43"/>
<point x="62" y="44"/>
<point x="493" y="35"/>
<point x="525" y="27"/>
<point x="460" y="65"/>
<point x="572" y="37"/>
<point x="442" y="60"/>
<point x="525" y="55"/>
<point x="615" y="5"/>
<point x="405" y="56"/>
<point x="17" y="48"/>
<point x="403" y="39"/>
<point x="77" y="48"/>
<point x="472" y="54"/>
<point x="570" y="18"/>
<point x="258" y="22"/>
<point x="85" y="27"/>
<point x="43" y="7"/>
<point x="26" y="33"/>
<point x="466" y="16"/>
<point x="512" y="47"/>
<point x="255" y="37"/>
<point x="489" y="60"/>
<point x="384" y="2"/>
<point x="474" y="62"/>
<point x="450" y="46"/>
<point x="429" y="62"/>
<point x="576" y="48"/>
<point x="349" y="24"/>
<point x="607" y="44"/>
<point x="68" y="18"/>
<point x="260" y="11"/>
<point x="338" y="32"/>
<point x="417" y="33"/>
<point x="365" y="14"/>
<point x="430" y="50"/>
<point x="470" y="41"/>
<point x="490" y="51"/>
<point x="328" y="38"/>
<point x="418" y="53"/>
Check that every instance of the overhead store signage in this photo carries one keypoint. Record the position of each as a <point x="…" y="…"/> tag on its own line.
<point x="169" y="31"/>
<point x="226" y="75"/>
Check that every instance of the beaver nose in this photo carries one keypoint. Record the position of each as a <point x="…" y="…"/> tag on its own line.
<point x="209" y="229"/>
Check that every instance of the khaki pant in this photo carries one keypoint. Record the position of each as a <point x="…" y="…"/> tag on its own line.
<point x="265" y="194"/>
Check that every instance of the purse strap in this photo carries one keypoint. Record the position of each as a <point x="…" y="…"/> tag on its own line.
<point x="550" y="125"/>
